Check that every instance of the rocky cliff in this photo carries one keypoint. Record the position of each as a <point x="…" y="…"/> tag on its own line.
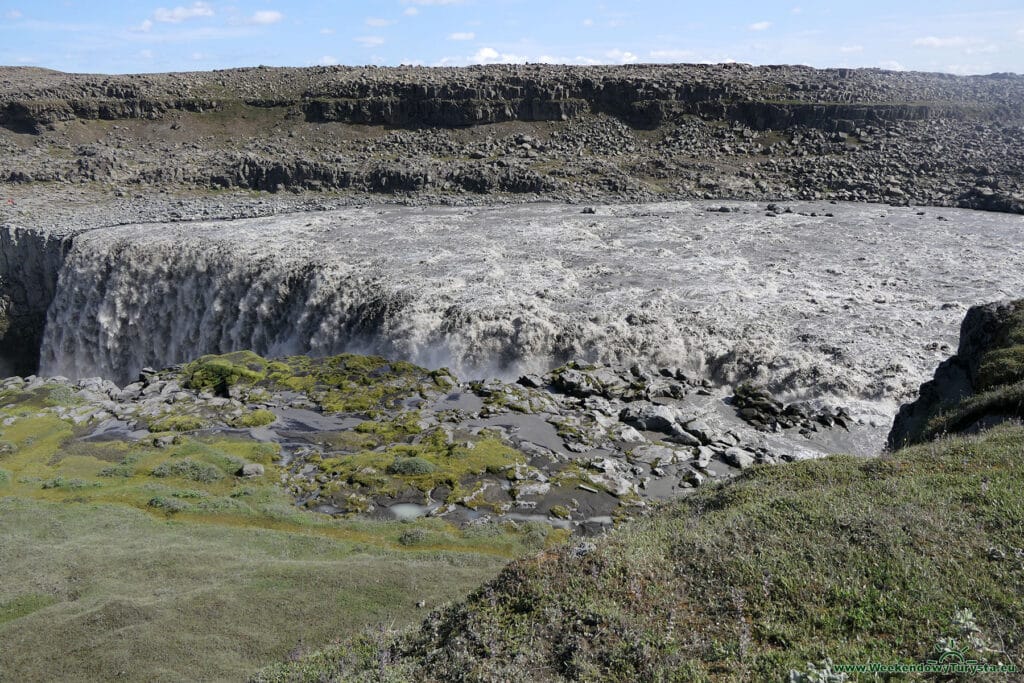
<point x="635" y="132"/>
<point x="982" y="385"/>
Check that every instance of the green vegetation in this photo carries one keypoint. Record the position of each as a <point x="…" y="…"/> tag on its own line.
<point x="187" y="468"/>
<point x="256" y="418"/>
<point x="177" y="423"/>
<point x="424" y="465"/>
<point x="411" y="466"/>
<point x="343" y="383"/>
<point x="104" y="592"/>
<point x="848" y="559"/>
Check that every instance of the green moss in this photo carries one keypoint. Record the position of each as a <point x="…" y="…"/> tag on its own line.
<point x="218" y="374"/>
<point x="178" y="423"/>
<point x="380" y="471"/>
<point x="561" y="512"/>
<point x="342" y="383"/>
<point x="394" y="430"/>
<point x="61" y="395"/>
<point x="256" y="418"/>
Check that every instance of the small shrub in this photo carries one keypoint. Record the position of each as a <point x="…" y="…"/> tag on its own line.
<point x="412" y="537"/>
<point x="5" y="476"/>
<point x="168" y="504"/>
<point x="60" y="396"/>
<point x="190" y="493"/>
<point x="189" y="469"/>
<point x="59" y="482"/>
<point x="411" y="467"/>
<point x="7" y="448"/>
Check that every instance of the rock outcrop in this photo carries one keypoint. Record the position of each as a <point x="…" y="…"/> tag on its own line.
<point x="978" y="386"/>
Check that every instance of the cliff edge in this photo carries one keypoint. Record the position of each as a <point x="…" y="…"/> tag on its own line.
<point x="982" y="385"/>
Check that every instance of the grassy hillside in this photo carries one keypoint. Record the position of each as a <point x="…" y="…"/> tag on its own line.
<point x="107" y="592"/>
<point x="844" y="559"/>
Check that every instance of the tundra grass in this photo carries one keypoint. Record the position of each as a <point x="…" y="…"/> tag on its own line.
<point x="97" y="591"/>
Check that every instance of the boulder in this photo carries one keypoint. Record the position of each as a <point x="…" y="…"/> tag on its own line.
<point x="252" y="469"/>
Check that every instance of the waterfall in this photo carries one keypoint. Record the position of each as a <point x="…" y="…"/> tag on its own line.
<point x="832" y="303"/>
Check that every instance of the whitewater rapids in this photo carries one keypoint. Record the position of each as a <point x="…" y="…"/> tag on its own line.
<point x="860" y="305"/>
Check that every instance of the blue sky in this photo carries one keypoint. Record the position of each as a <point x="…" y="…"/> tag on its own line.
<point x="123" y="37"/>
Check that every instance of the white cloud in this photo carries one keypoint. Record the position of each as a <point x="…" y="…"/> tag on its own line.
<point x="266" y="17"/>
<point x="411" y="12"/>
<point x="180" y="14"/>
<point x="850" y="49"/>
<point x="796" y="10"/>
<point x="145" y="26"/>
<point x="13" y="14"/>
<point x="369" y="41"/>
<point x="621" y="56"/>
<point x="146" y="54"/>
<point x="671" y="55"/>
<point x="488" y="55"/>
<point x="378" y="22"/>
<point x="327" y="60"/>
<point x="578" y="59"/>
<point x="982" y="50"/>
<point x="197" y="56"/>
<point x="760" y="26"/>
<point x="933" y="41"/>
<point x="434" y="2"/>
<point x="461" y="36"/>
<point x="891" y="65"/>
<point x="588" y="22"/>
<point x="327" y="31"/>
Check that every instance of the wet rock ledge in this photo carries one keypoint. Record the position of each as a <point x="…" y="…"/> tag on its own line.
<point x="361" y="435"/>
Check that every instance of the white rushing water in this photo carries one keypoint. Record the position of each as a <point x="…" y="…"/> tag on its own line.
<point x="855" y="306"/>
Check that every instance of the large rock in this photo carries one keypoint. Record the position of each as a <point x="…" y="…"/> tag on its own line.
<point x="651" y="417"/>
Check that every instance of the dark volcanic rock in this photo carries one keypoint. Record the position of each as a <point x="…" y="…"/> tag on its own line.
<point x="985" y="329"/>
<point x="626" y="133"/>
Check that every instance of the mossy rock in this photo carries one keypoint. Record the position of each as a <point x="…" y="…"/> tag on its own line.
<point x="177" y="423"/>
<point x="255" y="418"/>
<point x="218" y="374"/>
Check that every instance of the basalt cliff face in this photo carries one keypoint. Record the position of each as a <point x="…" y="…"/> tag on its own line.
<point x="635" y="132"/>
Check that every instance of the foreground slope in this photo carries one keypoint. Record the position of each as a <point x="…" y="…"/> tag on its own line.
<point x="854" y="560"/>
